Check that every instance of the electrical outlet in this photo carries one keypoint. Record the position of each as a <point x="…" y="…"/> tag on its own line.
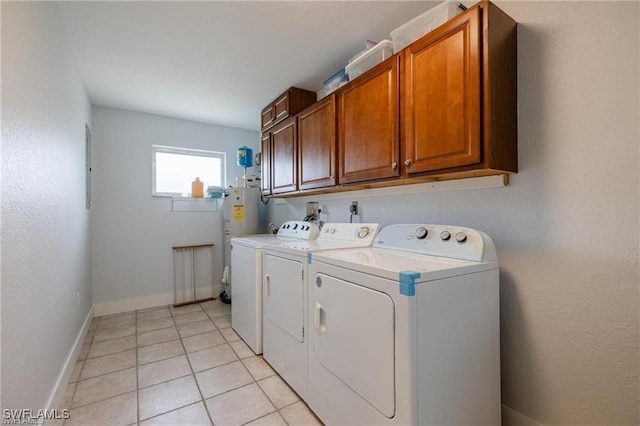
<point x="353" y="209"/>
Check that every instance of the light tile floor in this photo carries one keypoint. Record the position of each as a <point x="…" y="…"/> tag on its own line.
<point x="176" y="366"/>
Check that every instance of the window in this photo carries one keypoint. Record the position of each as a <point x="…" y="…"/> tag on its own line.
<point x="175" y="168"/>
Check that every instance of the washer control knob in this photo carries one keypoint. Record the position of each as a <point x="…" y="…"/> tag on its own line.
<point x="421" y="233"/>
<point x="295" y="226"/>
<point x="445" y="235"/>
<point x="332" y="230"/>
<point x="363" y="232"/>
<point x="461" y="237"/>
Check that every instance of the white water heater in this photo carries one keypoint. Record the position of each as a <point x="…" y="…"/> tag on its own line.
<point x="240" y="218"/>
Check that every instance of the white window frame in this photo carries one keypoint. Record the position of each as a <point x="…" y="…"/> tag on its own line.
<point x="184" y="151"/>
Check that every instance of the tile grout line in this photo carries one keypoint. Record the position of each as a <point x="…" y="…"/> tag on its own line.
<point x="172" y="315"/>
<point x="84" y="380"/>
<point x="171" y="411"/>
<point x="194" y="374"/>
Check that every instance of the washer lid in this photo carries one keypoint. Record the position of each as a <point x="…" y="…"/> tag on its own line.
<point x="390" y="264"/>
<point x="258" y="240"/>
<point x="296" y="247"/>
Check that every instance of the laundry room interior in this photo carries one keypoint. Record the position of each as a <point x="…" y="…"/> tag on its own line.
<point x="540" y="201"/>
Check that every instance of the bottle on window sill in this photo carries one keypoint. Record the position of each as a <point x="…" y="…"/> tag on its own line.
<point x="197" y="188"/>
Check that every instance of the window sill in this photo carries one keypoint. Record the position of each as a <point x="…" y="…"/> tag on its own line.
<point x="189" y="204"/>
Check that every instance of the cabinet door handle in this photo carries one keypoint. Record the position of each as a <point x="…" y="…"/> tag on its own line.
<point x="394" y="165"/>
<point x="407" y="163"/>
<point x="267" y="292"/>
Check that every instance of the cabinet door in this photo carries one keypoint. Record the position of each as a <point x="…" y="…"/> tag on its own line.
<point x="317" y="145"/>
<point x="267" y="117"/>
<point x="442" y="104"/>
<point x="284" y="157"/>
<point x="281" y="107"/>
<point x="368" y="131"/>
<point x="266" y="164"/>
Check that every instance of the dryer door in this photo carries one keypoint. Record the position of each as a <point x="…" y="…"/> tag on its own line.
<point x="284" y="294"/>
<point x="354" y="338"/>
<point x="284" y="345"/>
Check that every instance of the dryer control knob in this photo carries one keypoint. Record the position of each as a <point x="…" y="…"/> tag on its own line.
<point x="421" y="233"/>
<point x="445" y="235"/>
<point x="363" y="232"/>
<point x="461" y="237"/>
<point x="332" y="230"/>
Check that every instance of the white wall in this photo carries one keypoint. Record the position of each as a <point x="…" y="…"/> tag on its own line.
<point x="566" y="229"/>
<point x="133" y="232"/>
<point x="45" y="227"/>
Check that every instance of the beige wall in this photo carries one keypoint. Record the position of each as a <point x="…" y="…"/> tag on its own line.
<point x="566" y="229"/>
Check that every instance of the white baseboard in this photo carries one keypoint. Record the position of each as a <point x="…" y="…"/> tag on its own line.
<point x="55" y="399"/>
<point x="126" y="305"/>
<point x="511" y="417"/>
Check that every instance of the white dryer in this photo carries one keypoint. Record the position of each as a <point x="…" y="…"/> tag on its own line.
<point x="285" y="296"/>
<point x="406" y="332"/>
<point x="246" y="263"/>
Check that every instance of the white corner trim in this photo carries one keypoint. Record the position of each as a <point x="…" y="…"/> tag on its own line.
<point x="55" y="399"/>
<point x="511" y="417"/>
<point x="126" y="305"/>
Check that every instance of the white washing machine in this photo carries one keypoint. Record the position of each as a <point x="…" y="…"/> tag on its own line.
<point x="406" y="332"/>
<point x="285" y="296"/>
<point x="246" y="263"/>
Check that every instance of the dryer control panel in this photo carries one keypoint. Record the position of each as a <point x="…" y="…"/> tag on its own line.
<point x="450" y="241"/>
<point x="299" y="229"/>
<point x="361" y="232"/>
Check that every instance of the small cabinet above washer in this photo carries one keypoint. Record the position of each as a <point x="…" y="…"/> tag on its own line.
<point x="287" y="104"/>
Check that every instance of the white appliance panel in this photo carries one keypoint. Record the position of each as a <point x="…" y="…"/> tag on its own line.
<point x="246" y="309"/>
<point x="354" y="338"/>
<point x="284" y="294"/>
<point x="466" y="368"/>
<point x="240" y="213"/>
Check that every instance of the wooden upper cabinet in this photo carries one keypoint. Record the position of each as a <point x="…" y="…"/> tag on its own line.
<point x="281" y="107"/>
<point x="265" y="164"/>
<point x="284" y="153"/>
<point x="317" y="145"/>
<point x="460" y="97"/>
<point x="267" y="117"/>
<point x="368" y="130"/>
<point x="442" y="83"/>
<point x="286" y="105"/>
<point x="445" y="107"/>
